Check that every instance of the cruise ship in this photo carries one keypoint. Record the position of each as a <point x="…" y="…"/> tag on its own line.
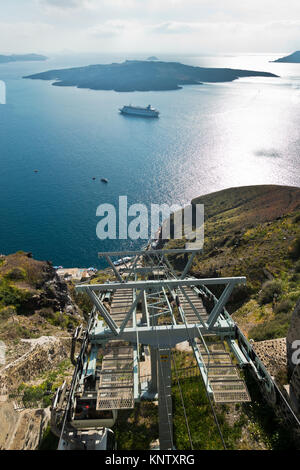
<point x="140" y="111"/>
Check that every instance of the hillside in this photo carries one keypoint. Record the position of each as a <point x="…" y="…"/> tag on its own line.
<point x="254" y="231"/>
<point x="37" y="315"/>
<point x="292" y="58"/>
<point x="134" y="75"/>
<point x="33" y="300"/>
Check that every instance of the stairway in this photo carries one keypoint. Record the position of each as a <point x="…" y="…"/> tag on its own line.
<point x="196" y="300"/>
<point x="224" y="378"/>
<point x="115" y="389"/>
<point x="121" y="303"/>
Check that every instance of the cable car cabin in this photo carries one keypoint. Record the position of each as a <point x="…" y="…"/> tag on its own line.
<point x="86" y="416"/>
<point x="100" y="439"/>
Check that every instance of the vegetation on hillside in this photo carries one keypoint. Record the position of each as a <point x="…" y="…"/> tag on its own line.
<point x="41" y="393"/>
<point x="254" y="232"/>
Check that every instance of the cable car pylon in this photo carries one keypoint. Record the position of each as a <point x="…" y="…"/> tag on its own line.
<point x="148" y="305"/>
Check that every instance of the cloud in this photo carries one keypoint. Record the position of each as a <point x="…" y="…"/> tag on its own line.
<point x="109" y="28"/>
<point x="147" y="25"/>
<point x="65" y="4"/>
<point x="92" y="4"/>
<point x="22" y="36"/>
<point x="176" y="27"/>
<point x="173" y="27"/>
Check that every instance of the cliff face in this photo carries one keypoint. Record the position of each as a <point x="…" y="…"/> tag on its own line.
<point x="21" y="430"/>
<point x="37" y="315"/>
<point x="30" y="285"/>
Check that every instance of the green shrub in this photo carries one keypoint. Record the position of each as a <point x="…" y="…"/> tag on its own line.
<point x="7" y="312"/>
<point x="36" y="395"/>
<point x="297" y="267"/>
<point x="10" y="295"/>
<point x="294" y="249"/>
<point x="240" y="293"/>
<point x="295" y="279"/>
<point x="296" y="219"/>
<point x="284" y="306"/>
<point x="16" y="274"/>
<point x="63" y="320"/>
<point x="271" y="329"/>
<point x="268" y="291"/>
<point x="84" y="302"/>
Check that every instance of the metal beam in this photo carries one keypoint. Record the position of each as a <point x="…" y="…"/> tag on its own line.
<point x="133" y="267"/>
<point x="91" y="368"/>
<point x="112" y="325"/>
<point x="162" y="334"/>
<point x="202" y="367"/>
<point x="147" y="252"/>
<point x="145" y="312"/>
<point x="188" y="265"/>
<point x="130" y="312"/>
<point x="161" y="283"/>
<point x="136" y="381"/>
<point x="118" y="276"/>
<point x="153" y="358"/>
<point x="216" y="311"/>
<point x="165" y="400"/>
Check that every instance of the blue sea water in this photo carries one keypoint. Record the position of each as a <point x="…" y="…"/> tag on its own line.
<point x="208" y="137"/>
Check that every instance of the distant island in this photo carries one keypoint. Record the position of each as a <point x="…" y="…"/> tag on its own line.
<point x="21" y="58"/>
<point x="292" y="58"/>
<point x="152" y="57"/>
<point x="135" y="75"/>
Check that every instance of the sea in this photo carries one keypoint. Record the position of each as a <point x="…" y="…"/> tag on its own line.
<point x="208" y="137"/>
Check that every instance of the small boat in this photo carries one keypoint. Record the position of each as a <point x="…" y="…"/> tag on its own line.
<point x="104" y="180"/>
<point x="93" y="178"/>
<point x="36" y="171"/>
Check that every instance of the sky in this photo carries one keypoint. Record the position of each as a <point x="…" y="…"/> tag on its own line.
<point x="153" y="26"/>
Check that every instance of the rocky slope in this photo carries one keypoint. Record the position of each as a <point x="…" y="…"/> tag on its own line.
<point x="37" y="314"/>
<point x="254" y="231"/>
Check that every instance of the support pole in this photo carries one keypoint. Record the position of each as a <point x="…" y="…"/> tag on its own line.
<point x="118" y="276"/>
<point x="165" y="400"/>
<point x="153" y="358"/>
<point x="145" y="313"/>
<point x="188" y="265"/>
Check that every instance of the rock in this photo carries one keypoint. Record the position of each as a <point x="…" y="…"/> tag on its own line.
<point x="45" y="353"/>
<point x="22" y="430"/>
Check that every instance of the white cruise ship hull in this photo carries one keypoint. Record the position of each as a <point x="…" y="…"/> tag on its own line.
<point x="152" y="113"/>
